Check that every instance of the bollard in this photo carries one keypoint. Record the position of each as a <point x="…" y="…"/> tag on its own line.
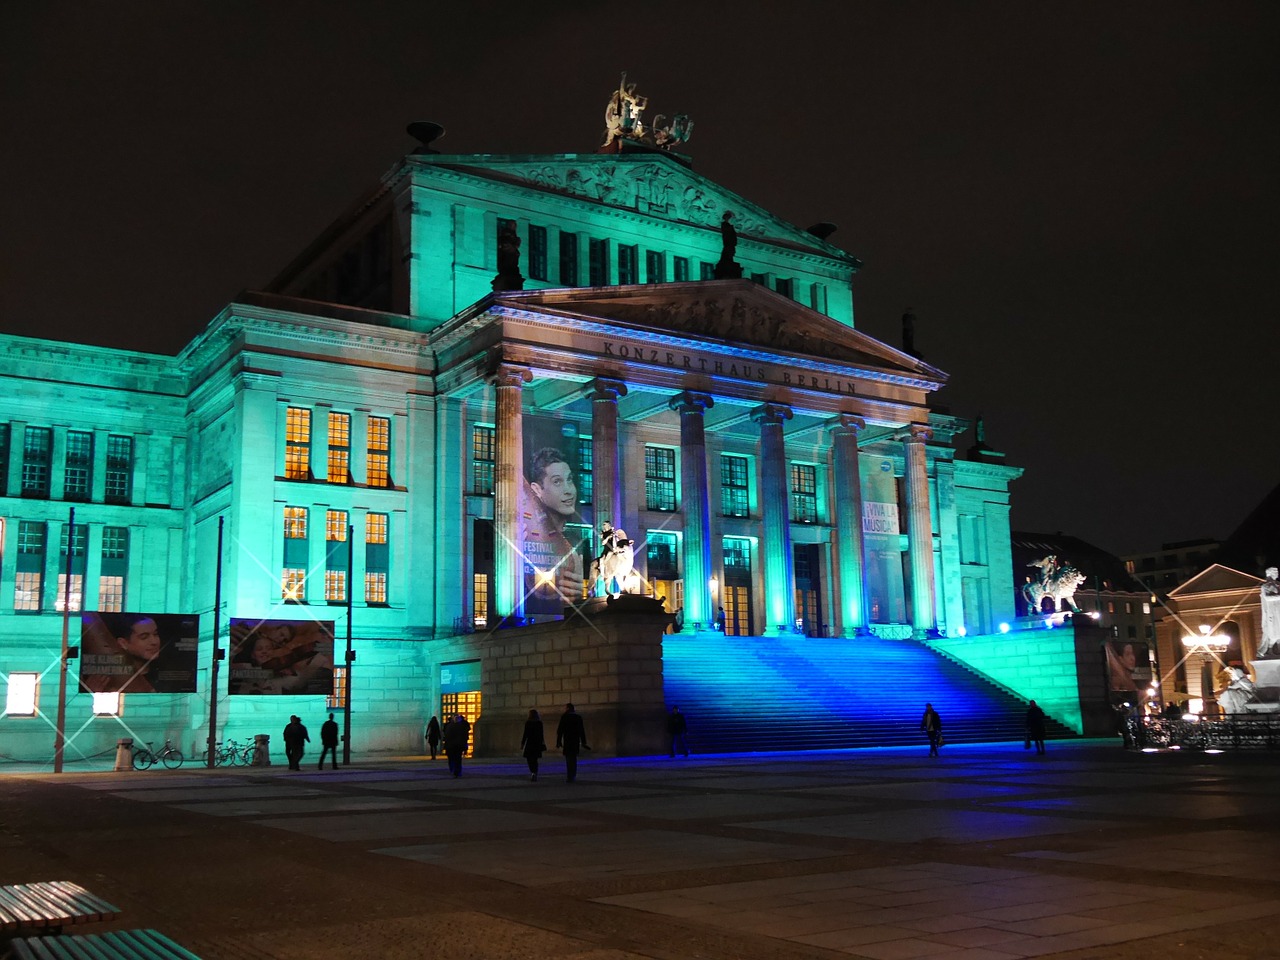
<point x="261" y="750"/>
<point x="124" y="753"/>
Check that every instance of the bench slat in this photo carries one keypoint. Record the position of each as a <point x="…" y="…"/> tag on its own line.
<point x="51" y="904"/>
<point x="117" y="945"/>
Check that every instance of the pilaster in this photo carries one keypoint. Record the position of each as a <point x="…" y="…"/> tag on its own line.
<point x="508" y="382"/>
<point x="848" y="541"/>
<point x="779" y="582"/>
<point x="919" y="531"/>
<point x="696" y="546"/>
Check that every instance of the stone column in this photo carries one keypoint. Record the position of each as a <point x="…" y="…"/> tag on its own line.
<point x="508" y="567"/>
<point x="919" y="532"/>
<point x="848" y="530"/>
<point x="606" y="492"/>
<point x="779" y="584"/>
<point x="695" y="505"/>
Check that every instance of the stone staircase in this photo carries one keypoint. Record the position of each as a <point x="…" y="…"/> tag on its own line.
<point x="743" y="694"/>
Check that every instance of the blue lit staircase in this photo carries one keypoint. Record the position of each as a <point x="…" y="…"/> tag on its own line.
<point x="799" y="693"/>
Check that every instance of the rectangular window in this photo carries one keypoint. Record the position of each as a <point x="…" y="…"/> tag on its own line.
<point x="293" y="584"/>
<point x="106" y="705"/>
<point x="537" y="253"/>
<point x="659" y="478"/>
<point x="4" y="458"/>
<point x="735" y="499"/>
<point x="598" y="262"/>
<point x="818" y="297"/>
<point x="74" y="599"/>
<point x="29" y="579"/>
<point x="480" y="600"/>
<point x="706" y="271"/>
<point x="378" y="457"/>
<point x="804" y="493"/>
<point x="26" y="591"/>
<point x="115" y="566"/>
<point x="22" y="695"/>
<point x="110" y="594"/>
<point x="294" y="578"/>
<point x="375" y="558"/>
<point x="760" y="278"/>
<point x="627" y="261"/>
<point x="338" y="699"/>
<point x="78" y="482"/>
<point x="37" y="453"/>
<point x="585" y="463"/>
<point x="680" y="266"/>
<point x="119" y="487"/>
<point x="737" y="556"/>
<point x="297" y="444"/>
<point x="655" y="266"/>
<point x="335" y="572"/>
<point x="482" y="447"/>
<point x="786" y="286"/>
<point x="339" y="448"/>
<point x="660" y="555"/>
<point x="568" y="259"/>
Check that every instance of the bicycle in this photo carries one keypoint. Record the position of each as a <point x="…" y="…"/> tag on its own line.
<point x="232" y="753"/>
<point x="144" y="757"/>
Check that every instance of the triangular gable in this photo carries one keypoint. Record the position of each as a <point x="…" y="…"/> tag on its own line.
<point x="735" y="311"/>
<point x="1216" y="579"/>
<point x="653" y="183"/>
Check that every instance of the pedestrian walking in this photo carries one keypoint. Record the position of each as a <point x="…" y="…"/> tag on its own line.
<point x="456" y="736"/>
<point x="329" y="742"/>
<point x="931" y="724"/>
<point x="433" y="736"/>
<point x="571" y="736"/>
<point x="1035" y="727"/>
<point x="295" y="735"/>
<point x="533" y="742"/>
<point x="677" y="732"/>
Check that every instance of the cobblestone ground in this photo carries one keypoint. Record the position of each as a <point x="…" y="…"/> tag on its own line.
<point x="985" y="853"/>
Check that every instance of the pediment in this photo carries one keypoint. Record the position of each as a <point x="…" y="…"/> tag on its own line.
<point x="735" y="312"/>
<point x="1216" y="579"/>
<point x="653" y="183"/>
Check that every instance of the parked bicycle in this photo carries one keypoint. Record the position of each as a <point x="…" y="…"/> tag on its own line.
<point x="232" y="753"/>
<point x="169" y="755"/>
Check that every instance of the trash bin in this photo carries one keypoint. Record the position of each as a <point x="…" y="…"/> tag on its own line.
<point x="124" y="753"/>
<point x="261" y="750"/>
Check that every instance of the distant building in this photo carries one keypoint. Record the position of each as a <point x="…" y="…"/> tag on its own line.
<point x="1161" y="570"/>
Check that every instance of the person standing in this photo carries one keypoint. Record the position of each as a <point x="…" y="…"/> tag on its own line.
<point x="571" y="736"/>
<point x="1035" y="726"/>
<point x="533" y="742"/>
<point x="329" y="742"/>
<point x="677" y="732"/>
<point x="720" y="620"/>
<point x="457" y="734"/>
<point x="433" y="736"/>
<point x="295" y="735"/>
<point x="931" y="724"/>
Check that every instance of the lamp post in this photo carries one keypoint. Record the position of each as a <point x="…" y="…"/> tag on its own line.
<point x="1209" y="645"/>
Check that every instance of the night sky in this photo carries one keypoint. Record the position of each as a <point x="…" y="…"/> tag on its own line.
<point x="1078" y="200"/>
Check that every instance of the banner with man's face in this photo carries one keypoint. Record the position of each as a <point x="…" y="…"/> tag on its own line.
<point x="138" y="652"/>
<point x="550" y="536"/>
<point x="272" y="657"/>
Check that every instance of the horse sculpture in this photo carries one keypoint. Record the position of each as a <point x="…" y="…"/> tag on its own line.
<point x="1054" y="580"/>
<point x="610" y="570"/>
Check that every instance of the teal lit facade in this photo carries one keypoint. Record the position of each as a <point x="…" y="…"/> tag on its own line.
<point x="767" y="457"/>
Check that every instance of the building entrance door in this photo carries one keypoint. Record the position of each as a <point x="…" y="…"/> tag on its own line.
<point x="737" y="611"/>
<point x="467" y="704"/>
<point x="671" y="593"/>
<point x="808" y="589"/>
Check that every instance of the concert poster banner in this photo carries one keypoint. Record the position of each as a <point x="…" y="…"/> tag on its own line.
<point x="1128" y="666"/>
<point x="272" y="657"/>
<point x="882" y="543"/>
<point x="553" y="544"/>
<point x="138" y="652"/>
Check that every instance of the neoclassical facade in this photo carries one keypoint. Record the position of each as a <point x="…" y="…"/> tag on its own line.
<point x="363" y="432"/>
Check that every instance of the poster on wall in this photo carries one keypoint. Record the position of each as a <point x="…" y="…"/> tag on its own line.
<point x="552" y="542"/>
<point x="281" y="657"/>
<point x="1128" y="667"/>
<point x="138" y="652"/>
<point x="882" y="543"/>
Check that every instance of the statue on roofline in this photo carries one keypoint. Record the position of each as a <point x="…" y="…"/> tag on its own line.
<point x="1055" y="580"/>
<point x="1269" y="645"/>
<point x="623" y="120"/>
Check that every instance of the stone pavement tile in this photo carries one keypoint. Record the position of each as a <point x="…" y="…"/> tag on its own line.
<point x="978" y="936"/>
<point x="905" y="898"/>
<point x="896" y="949"/>
<point x="779" y="926"/>
<point x="705" y="806"/>
<point x="971" y="953"/>
<point x="913" y="826"/>
<point x="167" y="795"/>
<point x="1195" y="807"/>
<point x="1053" y="926"/>
<point x="1018" y="912"/>
<point x="557" y="790"/>
<point x="856" y="936"/>
<point x="928" y="791"/>
<point x="756" y="782"/>
<point x="424" y="823"/>
<point x="944" y="923"/>
<point x="280" y="806"/>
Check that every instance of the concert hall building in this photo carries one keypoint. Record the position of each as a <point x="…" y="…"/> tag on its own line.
<point x="767" y="458"/>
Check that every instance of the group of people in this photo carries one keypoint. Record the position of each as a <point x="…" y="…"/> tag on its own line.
<point x="296" y="737"/>
<point x="931" y="724"/>
<point x="571" y="739"/>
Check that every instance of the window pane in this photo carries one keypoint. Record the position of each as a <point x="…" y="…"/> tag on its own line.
<point x="378" y="462"/>
<point x="297" y="439"/>
<point x="339" y="465"/>
<point x="22" y="694"/>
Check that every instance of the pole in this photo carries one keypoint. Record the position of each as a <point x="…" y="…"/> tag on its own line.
<point x="351" y="657"/>
<point x="211" y="755"/>
<point x="60" y="743"/>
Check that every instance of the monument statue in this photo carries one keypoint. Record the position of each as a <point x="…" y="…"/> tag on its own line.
<point x="1053" y="579"/>
<point x="726" y="267"/>
<point x="1269" y="645"/>
<point x="509" y="276"/>
<point x="1237" y="690"/>
<point x="670" y="137"/>
<point x="622" y="115"/>
<point x="612" y="567"/>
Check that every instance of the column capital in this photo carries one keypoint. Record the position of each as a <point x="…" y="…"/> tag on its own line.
<point x="847" y="423"/>
<point x="509" y="375"/>
<point x="771" y="413"/>
<point x="918" y="433"/>
<point x="690" y="401"/>
<point x="606" y="388"/>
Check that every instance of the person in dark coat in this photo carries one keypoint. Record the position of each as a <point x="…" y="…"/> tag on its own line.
<point x="677" y="732"/>
<point x="1035" y="726"/>
<point x="329" y="741"/>
<point x="295" y="735"/>
<point x="457" y="734"/>
<point x="433" y="736"/>
<point x="533" y="742"/>
<point x="931" y="724"/>
<point x="571" y="736"/>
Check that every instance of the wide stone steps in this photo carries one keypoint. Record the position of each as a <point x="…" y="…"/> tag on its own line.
<point x="768" y="693"/>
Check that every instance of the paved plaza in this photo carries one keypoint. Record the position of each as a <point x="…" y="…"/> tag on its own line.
<point x="985" y="853"/>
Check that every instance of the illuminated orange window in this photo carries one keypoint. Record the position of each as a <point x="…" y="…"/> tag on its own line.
<point x="378" y="459"/>
<point x="297" y="444"/>
<point x="339" y="448"/>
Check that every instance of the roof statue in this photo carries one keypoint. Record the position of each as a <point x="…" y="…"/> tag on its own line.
<point x="1055" y="580"/>
<point x="1269" y="647"/>
<point x="623" y="120"/>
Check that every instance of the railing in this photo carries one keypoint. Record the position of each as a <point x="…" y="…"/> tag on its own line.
<point x="1241" y="731"/>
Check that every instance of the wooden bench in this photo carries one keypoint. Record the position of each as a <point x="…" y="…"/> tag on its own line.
<point x="49" y="906"/>
<point x="117" y="945"/>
